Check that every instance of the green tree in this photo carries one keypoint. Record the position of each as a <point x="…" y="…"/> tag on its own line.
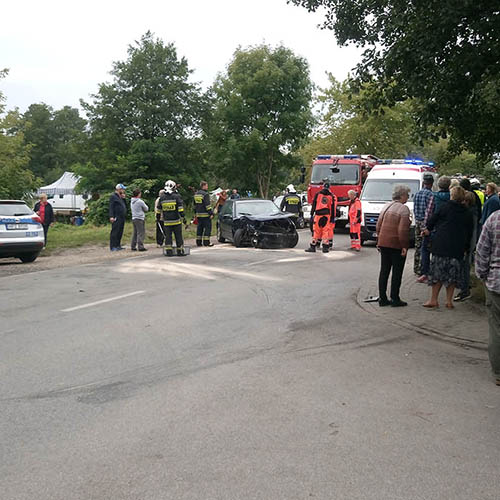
<point x="345" y="126"/>
<point x="261" y="115"/>
<point x="146" y="122"/>
<point x="445" y="54"/>
<point x="16" y="181"/>
<point x="57" y="139"/>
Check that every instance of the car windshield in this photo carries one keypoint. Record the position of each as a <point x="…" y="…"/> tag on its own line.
<point x="381" y="189"/>
<point x="14" y="209"/>
<point x="257" y="207"/>
<point x="348" y="174"/>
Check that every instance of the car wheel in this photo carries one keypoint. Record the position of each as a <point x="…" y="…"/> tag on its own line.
<point x="238" y="237"/>
<point x="28" y="257"/>
<point x="294" y="240"/>
<point x="220" y="238"/>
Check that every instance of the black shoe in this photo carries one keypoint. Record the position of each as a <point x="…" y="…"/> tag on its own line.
<point x="169" y="253"/>
<point x="384" y="302"/>
<point x="311" y="249"/>
<point x="462" y="296"/>
<point x="134" y="249"/>
<point x="326" y="249"/>
<point x="398" y="303"/>
<point x="143" y="249"/>
<point x="199" y="244"/>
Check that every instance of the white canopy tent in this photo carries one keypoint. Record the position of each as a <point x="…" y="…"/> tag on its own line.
<point x="62" y="196"/>
<point x="64" y="185"/>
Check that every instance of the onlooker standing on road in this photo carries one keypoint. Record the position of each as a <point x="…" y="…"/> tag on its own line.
<point x="422" y="255"/>
<point x="452" y="237"/>
<point x="492" y="204"/>
<point x="442" y="196"/>
<point x="476" y="211"/>
<point x="160" y="235"/>
<point x="139" y="209"/>
<point x="393" y="229"/>
<point x="117" y="213"/>
<point x="488" y="270"/>
<point x="464" y="286"/>
<point x="44" y="210"/>
<point x="235" y="195"/>
<point x="221" y="200"/>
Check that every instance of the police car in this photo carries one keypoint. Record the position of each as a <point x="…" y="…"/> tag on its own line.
<point x="21" y="231"/>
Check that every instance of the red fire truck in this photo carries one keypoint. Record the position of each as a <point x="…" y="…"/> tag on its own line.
<point x="343" y="172"/>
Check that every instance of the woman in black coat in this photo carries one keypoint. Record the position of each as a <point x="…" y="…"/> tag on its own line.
<point x="451" y="227"/>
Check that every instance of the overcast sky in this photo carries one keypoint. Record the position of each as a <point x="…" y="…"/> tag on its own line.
<point x="59" y="51"/>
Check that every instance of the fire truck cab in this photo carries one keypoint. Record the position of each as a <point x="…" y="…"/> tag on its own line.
<point x="343" y="172"/>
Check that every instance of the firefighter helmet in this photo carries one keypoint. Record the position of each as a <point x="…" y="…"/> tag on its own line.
<point x="170" y="186"/>
<point x="290" y="188"/>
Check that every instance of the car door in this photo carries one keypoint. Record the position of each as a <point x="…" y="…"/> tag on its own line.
<point x="226" y="220"/>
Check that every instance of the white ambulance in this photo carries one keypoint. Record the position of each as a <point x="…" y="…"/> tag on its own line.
<point x="377" y="190"/>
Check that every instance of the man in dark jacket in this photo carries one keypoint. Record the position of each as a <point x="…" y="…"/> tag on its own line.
<point x="44" y="210"/>
<point x="492" y="203"/>
<point x="117" y="213"/>
<point x="204" y="215"/>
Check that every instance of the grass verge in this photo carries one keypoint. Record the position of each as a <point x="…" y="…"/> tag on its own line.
<point x="63" y="236"/>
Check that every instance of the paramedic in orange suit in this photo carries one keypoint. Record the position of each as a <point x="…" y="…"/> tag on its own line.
<point x="323" y="209"/>
<point x="355" y="215"/>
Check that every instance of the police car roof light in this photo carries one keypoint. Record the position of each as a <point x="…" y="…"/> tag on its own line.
<point x="323" y="157"/>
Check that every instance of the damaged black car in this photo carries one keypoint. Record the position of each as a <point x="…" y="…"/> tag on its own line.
<point x="257" y="223"/>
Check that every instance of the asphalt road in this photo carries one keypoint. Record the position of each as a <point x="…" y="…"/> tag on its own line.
<point x="234" y="374"/>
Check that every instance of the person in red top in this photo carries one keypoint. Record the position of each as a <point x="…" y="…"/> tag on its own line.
<point x="324" y="207"/>
<point x="355" y="220"/>
<point x="44" y="210"/>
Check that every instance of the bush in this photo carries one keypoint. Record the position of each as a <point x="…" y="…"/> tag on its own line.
<point x="98" y="211"/>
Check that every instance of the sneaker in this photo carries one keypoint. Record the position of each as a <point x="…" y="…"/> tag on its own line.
<point x="398" y="303"/>
<point x="460" y="297"/>
<point x="422" y="279"/>
<point x="114" y="249"/>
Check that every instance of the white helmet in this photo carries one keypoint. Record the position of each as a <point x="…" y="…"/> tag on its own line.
<point x="290" y="188"/>
<point x="170" y="186"/>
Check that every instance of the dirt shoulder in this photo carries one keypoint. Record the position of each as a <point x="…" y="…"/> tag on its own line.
<point x="68" y="257"/>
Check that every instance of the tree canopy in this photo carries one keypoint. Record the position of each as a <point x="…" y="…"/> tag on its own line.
<point x="445" y="54"/>
<point x="145" y="122"/>
<point x="57" y="139"/>
<point x="16" y="179"/>
<point x="261" y="115"/>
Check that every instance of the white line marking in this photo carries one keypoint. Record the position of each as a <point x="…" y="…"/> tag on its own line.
<point x="111" y="299"/>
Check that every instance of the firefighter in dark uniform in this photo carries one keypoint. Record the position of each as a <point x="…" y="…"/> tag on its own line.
<point x="323" y="209"/>
<point x="173" y="216"/>
<point x="204" y="214"/>
<point x="292" y="203"/>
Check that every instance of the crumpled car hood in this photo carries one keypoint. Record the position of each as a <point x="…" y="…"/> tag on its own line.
<point x="264" y="218"/>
